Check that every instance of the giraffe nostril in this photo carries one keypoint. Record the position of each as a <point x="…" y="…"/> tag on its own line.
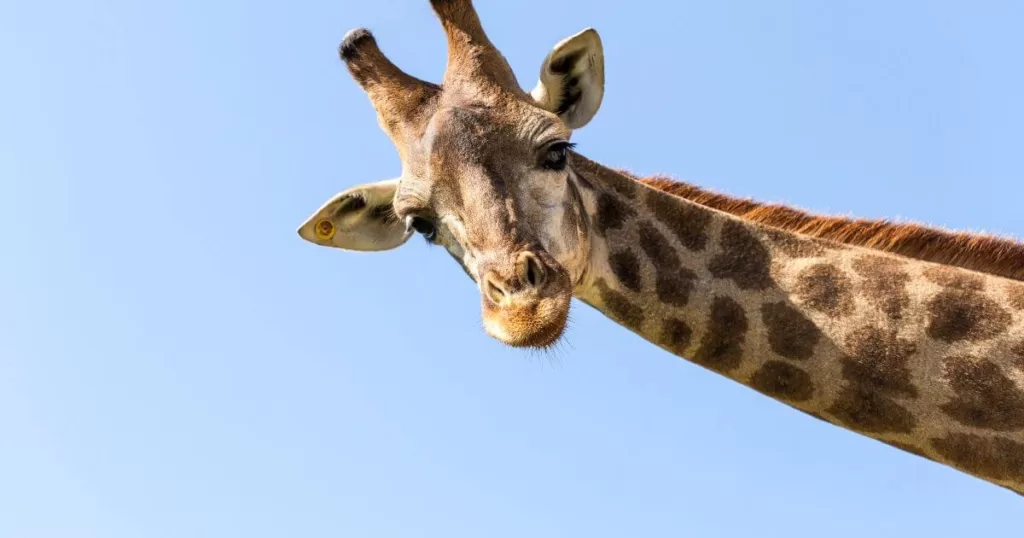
<point x="531" y="271"/>
<point x="532" y="274"/>
<point x="494" y="291"/>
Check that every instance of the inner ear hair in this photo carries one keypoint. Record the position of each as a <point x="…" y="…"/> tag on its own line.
<point x="375" y="200"/>
<point x="570" y="91"/>
<point x="353" y="202"/>
<point x="384" y="212"/>
<point x="571" y="82"/>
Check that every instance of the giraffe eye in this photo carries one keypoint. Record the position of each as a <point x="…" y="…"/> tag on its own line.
<point x="423" y="227"/>
<point x="556" y="155"/>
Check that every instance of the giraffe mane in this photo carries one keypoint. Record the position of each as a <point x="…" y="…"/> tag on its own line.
<point x="985" y="253"/>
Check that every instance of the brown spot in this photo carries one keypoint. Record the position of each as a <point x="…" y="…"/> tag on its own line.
<point x="1018" y="350"/>
<point x="782" y="380"/>
<point x="1015" y="294"/>
<point x="871" y="412"/>
<point x="826" y="289"/>
<point x="721" y="348"/>
<point x="624" y="186"/>
<point x="673" y="282"/>
<point x="674" y="288"/>
<point x="985" y="396"/>
<point x="876" y="370"/>
<point x="908" y="448"/>
<point x="626" y="267"/>
<point x="884" y="285"/>
<point x="611" y="213"/>
<point x="796" y="246"/>
<point x="619" y="307"/>
<point x="958" y="315"/>
<point x="993" y="458"/>
<point x="686" y="220"/>
<point x="676" y="335"/>
<point x="869" y="265"/>
<point x="790" y="333"/>
<point x="743" y="258"/>
<point x="657" y="248"/>
<point x="954" y="278"/>
<point x="877" y="362"/>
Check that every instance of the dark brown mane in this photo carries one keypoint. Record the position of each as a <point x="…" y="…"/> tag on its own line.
<point x="979" y="252"/>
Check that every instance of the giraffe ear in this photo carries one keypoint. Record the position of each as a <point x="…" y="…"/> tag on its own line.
<point x="360" y="218"/>
<point x="572" y="79"/>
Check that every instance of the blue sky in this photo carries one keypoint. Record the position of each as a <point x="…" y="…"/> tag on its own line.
<point x="175" y="361"/>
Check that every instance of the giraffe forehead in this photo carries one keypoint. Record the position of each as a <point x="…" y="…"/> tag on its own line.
<point x="468" y="152"/>
<point x="477" y="129"/>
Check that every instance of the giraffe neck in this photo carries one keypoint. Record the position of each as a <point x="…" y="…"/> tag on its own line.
<point x="925" y="357"/>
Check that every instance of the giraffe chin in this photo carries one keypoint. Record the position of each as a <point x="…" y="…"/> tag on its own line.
<point x="535" y="324"/>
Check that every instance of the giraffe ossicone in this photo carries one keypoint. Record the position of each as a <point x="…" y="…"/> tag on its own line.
<point x="913" y="336"/>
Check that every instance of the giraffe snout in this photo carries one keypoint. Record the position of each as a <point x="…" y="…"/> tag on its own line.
<point x="526" y="299"/>
<point x="526" y="277"/>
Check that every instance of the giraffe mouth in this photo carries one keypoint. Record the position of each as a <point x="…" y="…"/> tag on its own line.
<point x="537" y="323"/>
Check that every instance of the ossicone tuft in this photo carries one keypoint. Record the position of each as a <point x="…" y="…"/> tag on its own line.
<point x="353" y="41"/>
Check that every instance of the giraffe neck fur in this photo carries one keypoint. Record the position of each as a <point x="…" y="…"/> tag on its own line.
<point x="926" y="357"/>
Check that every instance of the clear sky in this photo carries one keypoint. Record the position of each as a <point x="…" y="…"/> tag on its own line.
<point x="175" y="361"/>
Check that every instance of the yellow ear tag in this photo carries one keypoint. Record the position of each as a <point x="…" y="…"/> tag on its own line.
<point x="325" y="229"/>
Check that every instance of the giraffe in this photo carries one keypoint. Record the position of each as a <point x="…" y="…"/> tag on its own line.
<point x="879" y="328"/>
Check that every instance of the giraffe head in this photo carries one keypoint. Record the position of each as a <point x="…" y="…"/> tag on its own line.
<point x="485" y="171"/>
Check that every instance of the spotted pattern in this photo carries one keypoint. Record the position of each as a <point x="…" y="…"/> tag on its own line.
<point x="721" y="347"/>
<point x="953" y="277"/>
<point x="985" y="396"/>
<point x="884" y="284"/>
<point x="676" y="335"/>
<point x="795" y="246"/>
<point x="825" y="288"/>
<point x="959" y="314"/>
<point x="871" y="412"/>
<point x="626" y="267"/>
<point x="743" y="259"/>
<point x="782" y="380"/>
<point x="673" y="282"/>
<point x="611" y="214"/>
<point x="994" y="458"/>
<point x="619" y="306"/>
<point x="876" y="370"/>
<point x="684" y="219"/>
<point x="877" y="362"/>
<point x="790" y="333"/>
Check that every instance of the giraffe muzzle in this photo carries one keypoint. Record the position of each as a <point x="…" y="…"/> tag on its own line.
<point x="526" y="301"/>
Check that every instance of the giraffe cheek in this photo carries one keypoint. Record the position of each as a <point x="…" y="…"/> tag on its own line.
<point x="569" y="246"/>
